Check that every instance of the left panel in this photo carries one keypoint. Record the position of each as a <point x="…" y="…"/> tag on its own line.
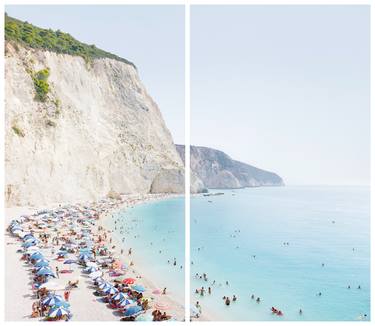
<point x="94" y="185"/>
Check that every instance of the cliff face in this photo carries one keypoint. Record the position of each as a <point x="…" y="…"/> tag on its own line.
<point x="217" y="170"/>
<point x="96" y="131"/>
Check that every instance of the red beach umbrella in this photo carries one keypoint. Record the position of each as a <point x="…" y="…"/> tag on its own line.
<point x="128" y="280"/>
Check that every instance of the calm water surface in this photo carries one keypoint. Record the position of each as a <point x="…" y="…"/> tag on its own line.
<point x="272" y="242"/>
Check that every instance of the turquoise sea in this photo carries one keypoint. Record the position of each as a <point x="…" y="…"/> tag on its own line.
<point x="285" y="245"/>
<point x="156" y="233"/>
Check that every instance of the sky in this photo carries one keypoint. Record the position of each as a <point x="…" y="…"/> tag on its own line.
<point x="284" y="88"/>
<point x="152" y="37"/>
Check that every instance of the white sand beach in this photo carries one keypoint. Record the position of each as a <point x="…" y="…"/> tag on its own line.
<point x="84" y="306"/>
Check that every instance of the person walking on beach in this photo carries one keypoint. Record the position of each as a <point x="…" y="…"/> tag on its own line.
<point x="130" y="251"/>
<point x="165" y="291"/>
<point x="57" y="272"/>
<point x="198" y="306"/>
<point x="66" y="295"/>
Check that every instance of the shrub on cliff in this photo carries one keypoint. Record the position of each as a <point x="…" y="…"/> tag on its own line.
<point x="41" y="84"/>
<point x="55" y="41"/>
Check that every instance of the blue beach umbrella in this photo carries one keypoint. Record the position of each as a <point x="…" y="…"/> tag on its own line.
<point x="58" y="312"/>
<point x="45" y="273"/>
<point x="63" y="304"/>
<point x="29" y="244"/>
<point x="36" y="255"/>
<point x="52" y="300"/>
<point x="84" y="257"/>
<point x="126" y="302"/>
<point x="104" y="286"/>
<point x="90" y="270"/>
<point x="138" y="288"/>
<point x="70" y="261"/>
<point x="85" y="251"/>
<point x="28" y="236"/>
<point x="30" y="239"/>
<point x="110" y="290"/>
<point x="132" y="310"/>
<point x="120" y="296"/>
<point x="42" y="263"/>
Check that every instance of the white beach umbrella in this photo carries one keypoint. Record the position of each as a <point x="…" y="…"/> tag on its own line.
<point x="96" y="274"/>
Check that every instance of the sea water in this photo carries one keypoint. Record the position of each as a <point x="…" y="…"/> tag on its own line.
<point x="156" y="233"/>
<point x="285" y="245"/>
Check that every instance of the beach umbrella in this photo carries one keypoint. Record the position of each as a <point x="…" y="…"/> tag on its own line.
<point x="90" y="270"/>
<point x="120" y="296"/>
<point x="128" y="280"/>
<point x="30" y="239"/>
<point x="18" y="232"/>
<point x="58" y="312"/>
<point x="42" y="263"/>
<point x="104" y="285"/>
<point x="138" y="288"/>
<point x="36" y="255"/>
<point x="27" y="236"/>
<point x="70" y="261"/>
<point x="63" y="304"/>
<point x="45" y="273"/>
<point x="41" y="268"/>
<point x="51" y="300"/>
<point x="132" y="310"/>
<point x="91" y="264"/>
<point x="52" y="286"/>
<point x="126" y="302"/>
<point x="40" y="260"/>
<point x="161" y="305"/>
<point x="84" y="257"/>
<point x="110" y="290"/>
<point x="85" y="251"/>
<point x="96" y="274"/>
<point x="29" y="244"/>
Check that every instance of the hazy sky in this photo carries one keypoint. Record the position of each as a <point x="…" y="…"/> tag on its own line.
<point x="150" y="36"/>
<point x="285" y="88"/>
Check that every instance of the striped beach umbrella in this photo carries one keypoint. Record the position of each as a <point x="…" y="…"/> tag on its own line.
<point x="58" y="312"/>
<point x="120" y="296"/>
<point x="52" y="300"/>
<point x="104" y="286"/>
<point x="110" y="290"/>
<point x="126" y="302"/>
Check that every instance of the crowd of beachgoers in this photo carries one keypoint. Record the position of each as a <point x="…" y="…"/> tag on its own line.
<point x="67" y="248"/>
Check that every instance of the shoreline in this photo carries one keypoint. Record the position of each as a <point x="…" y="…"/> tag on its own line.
<point x="138" y="272"/>
<point x="18" y="278"/>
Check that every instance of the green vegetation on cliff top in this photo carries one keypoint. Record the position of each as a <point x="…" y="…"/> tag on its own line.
<point x="55" y="41"/>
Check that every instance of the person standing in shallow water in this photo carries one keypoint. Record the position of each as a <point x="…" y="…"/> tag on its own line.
<point x="227" y="301"/>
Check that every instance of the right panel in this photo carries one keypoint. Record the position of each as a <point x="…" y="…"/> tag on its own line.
<point x="281" y="143"/>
